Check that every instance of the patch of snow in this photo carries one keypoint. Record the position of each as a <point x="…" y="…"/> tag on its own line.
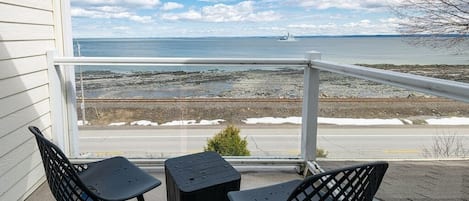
<point x="179" y="123"/>
<point x="211" y="122"/>
<point x="406" y="121"/>
<point x="449" y="121"/>
<point x="297" y="120"/>
<point x="193" y="122"/>
<point x="80" y="123"/>
<point x="359" y="122"/>
<point x="143" y="123"/>
<point x="117" y="124"/>
<point x="273" y="120"/>
<point x="324" y="120"/>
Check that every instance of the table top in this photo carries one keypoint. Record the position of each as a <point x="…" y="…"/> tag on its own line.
<point x="200" y="170"/>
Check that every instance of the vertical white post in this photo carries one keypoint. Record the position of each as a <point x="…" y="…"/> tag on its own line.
<point x="63" y="107"/>
<point x="72" y="119"/>
<point x="56" y="103"/>
<point x="310" y="109"/>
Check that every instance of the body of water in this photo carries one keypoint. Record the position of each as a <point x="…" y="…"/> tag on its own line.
<point x="348" y="50"/>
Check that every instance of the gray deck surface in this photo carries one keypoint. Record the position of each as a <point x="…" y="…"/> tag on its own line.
<point x="404" y="180"/>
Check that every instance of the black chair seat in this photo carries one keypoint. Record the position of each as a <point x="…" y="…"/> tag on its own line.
<point x="111" y="179"/>
<point x="117" y="179"/>
<point x="277" y="192"/>
<point x="353" y="183"/>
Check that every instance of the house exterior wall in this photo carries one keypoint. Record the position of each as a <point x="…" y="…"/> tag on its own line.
<point x="28" y="29"/>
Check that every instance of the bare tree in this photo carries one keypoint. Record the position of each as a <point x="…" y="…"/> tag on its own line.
<point x="437" y="23"/>
<point x="446" y="146"/>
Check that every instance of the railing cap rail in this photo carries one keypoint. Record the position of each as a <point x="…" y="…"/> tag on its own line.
<point x="435" y="86"/>
<point x="177" y="61"/>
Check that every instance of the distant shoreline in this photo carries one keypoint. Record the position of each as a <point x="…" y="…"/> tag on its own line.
<point x="276" y="36"/>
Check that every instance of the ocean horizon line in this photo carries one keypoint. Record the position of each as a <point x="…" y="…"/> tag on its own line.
<point x="277" y="36"/>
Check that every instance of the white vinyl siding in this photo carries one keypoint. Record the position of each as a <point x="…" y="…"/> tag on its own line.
<point x="25" y="15"/>
<point x="27" y="31"/>
<point x="36" y="4"/>
<point x="20" y="49"/>
<point x="9" y="68"/>
<point x="28" y="81"/>
<point x="17" y="32"/>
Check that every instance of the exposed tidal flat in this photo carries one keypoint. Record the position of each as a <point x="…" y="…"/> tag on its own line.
<point x="341" y="96"/>
<point x="255" y="83"/>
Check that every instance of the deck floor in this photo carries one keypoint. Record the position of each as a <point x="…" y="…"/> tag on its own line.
<point x="404" y="180"/>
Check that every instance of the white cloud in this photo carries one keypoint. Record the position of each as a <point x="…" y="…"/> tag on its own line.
<point x="113" y="9"/>
<point x="109" y="13"/>
<point x="314" y="29"/>
<point x="226" y="13"/>
<point x="302" y="26"/>
<point x="122" y="3"/>
<point x="171" y="6"/>
<point x="141" y="19"/>
<point x="277" y="17"/>
<point x="392" y="21"/>
<point x="215" y="1"/>
<point x="360" y="24"/>
<point x="343" y="4"/>
<point x="364" y="26"/>
<point x="122" y="28"/>
<point x="189" y="15"/>
<point x="241" y="12"/>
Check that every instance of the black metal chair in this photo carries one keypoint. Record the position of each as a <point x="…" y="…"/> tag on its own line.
<point x="110" y="179"/>
<point x="358" y="182"/>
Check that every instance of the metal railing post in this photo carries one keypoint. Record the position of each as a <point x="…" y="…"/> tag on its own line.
<point x="63" y="106"/>
<point x="56" y="103"/>
<point x="72" y="119"/>
<point x="310" y="108"/>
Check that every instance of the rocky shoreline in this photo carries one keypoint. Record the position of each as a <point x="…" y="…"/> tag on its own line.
<point x="281" y="83"/>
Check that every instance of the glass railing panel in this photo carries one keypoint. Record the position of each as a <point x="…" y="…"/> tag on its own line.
<point x="155" y="112"/>
<point x="361" y="119"/>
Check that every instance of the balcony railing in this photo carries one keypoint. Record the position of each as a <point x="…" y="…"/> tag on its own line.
<point x="63" y="91"/>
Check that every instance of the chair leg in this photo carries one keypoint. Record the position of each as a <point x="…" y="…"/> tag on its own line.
<point x="140" y="198"/>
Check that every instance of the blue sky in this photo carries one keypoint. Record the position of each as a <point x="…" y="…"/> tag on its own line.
<point x="199" y="18"/>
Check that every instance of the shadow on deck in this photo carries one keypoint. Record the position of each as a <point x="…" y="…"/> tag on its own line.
<point x="404" y="180"/>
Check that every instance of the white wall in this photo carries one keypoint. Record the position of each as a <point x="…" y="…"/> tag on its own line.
<point x="28" y="28"/>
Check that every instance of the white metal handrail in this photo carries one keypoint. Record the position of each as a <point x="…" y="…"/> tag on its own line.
<point x="130" y="61"/>
<point x="438" y="87"/>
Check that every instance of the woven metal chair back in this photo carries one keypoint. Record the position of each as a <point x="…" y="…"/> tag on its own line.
<point x="61" y="175"/>
<point x="360" y="182"/>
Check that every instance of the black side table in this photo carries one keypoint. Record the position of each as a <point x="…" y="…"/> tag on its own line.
<point x="203" y="176"/>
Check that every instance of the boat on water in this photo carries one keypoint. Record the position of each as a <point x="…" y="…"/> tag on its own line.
<point x="288" y="37"/>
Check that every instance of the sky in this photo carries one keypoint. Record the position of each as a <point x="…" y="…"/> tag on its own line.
<point x="226" y="18"/>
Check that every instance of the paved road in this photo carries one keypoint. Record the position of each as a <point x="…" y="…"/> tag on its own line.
<point x="340" y="142"/>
